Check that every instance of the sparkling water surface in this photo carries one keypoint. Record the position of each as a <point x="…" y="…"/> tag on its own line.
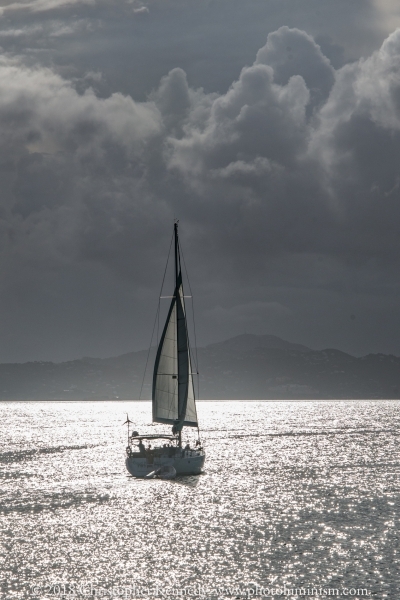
<point x="295" y="494"/>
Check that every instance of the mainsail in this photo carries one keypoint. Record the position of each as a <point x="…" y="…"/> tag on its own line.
<point x="173" y="392"/>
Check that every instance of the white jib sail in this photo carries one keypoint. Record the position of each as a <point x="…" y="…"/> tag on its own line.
<point x="191" y="413"/>
<point x="166" y="400"/>
<point x="165" y="393"/>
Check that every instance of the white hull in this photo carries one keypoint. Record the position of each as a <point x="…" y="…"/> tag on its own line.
<point x="185" y="462"/>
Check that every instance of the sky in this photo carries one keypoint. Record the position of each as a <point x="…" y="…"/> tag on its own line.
<point x="269" y="128"/>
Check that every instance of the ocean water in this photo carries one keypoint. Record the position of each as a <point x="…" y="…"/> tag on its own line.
<point x="296" y="499"/>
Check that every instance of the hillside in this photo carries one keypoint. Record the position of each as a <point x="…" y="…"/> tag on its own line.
<point x="244" y="367"/>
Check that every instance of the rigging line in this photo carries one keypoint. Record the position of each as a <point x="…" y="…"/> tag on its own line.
<point x="148" y="353"/>
<point x="179" y="252"/>
<point x="156" y="320"/>
<point x="194" y="324"/>
<point x="162" y="284"/>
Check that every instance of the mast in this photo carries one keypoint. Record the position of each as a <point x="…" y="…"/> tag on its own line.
<point x="176" y="252"/>
<point x="173" y="393"/>
<point x="176" y="292"/>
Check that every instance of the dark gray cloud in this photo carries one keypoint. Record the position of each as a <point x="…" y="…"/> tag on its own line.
<point x="134" y="44"/>
<point x="285" y="178"/>
<point x="293" y="52"/>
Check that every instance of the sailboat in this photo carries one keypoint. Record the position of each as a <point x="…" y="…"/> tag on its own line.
<point x="173" y="398"/>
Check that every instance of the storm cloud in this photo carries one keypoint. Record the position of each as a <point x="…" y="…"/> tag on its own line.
<point x="286" y="185"/>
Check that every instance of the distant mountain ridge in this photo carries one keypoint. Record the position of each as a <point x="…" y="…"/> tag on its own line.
<point x="247" y="366"/>
<point x="249" y="341"/>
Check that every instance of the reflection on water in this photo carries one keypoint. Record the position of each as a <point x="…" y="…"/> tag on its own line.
<point x="301" y="493"/>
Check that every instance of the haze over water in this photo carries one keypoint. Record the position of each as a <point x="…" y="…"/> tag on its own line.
<point x="302" y="494"/>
